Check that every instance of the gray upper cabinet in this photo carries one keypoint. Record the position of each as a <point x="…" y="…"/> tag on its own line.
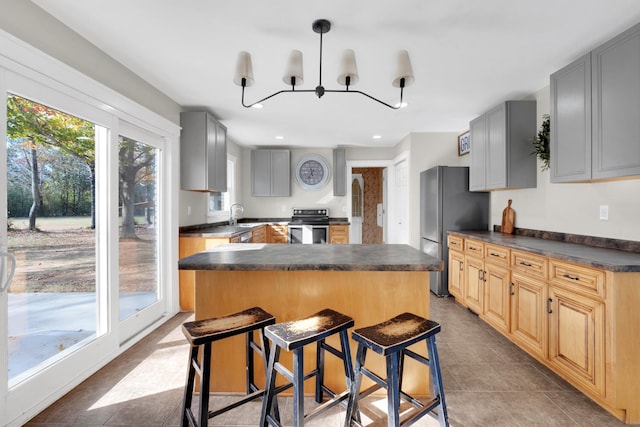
<point x="203" y="153"/>
<point x="478" y="134"/>
<point x="595" y="106"/>
<point x="271" y="173"/>
<point x="339" y="172"/>
<point x="616" y="98"/>
<point x="571" y="122"/>
<point x="501" y="147"/>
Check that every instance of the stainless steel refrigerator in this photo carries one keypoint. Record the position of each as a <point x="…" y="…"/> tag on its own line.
<point x="447" y="204"/>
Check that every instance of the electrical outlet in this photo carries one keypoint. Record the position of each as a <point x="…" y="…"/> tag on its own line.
<point x="604" y="212"/>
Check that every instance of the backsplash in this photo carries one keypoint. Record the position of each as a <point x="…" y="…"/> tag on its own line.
<point x="600" y="242"/>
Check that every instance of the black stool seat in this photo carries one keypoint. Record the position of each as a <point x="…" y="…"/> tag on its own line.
<point x="391" y="339"/>
<point x="293" y="336"/>
<point x="201" y="334"/>
<point x="208" y="330"/>
<point x="397" y="333"/>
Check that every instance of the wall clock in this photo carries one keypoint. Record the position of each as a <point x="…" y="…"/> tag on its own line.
<point x="312" y="172"/>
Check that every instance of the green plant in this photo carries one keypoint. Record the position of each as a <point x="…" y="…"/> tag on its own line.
<point x="541" y="143"/>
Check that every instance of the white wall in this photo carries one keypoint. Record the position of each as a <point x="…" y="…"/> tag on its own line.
<point x="280" y="207"/>
<point x="428" y="150"/>
<point x="574" y="207"/>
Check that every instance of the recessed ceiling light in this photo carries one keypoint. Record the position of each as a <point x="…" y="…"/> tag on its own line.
<point x="377" y="136"/>
<point x="258" y="106"/>
<point x="279" y="137"/>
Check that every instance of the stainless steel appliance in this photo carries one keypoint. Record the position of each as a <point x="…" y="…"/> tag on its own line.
<point x="309" y="226"/>
<point x="446" y="204"/>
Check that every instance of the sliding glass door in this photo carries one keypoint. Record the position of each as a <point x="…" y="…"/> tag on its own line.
<point x="82" y="220"/>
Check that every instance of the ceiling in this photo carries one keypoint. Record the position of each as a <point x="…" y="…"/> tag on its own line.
<point x="467" y="56"/>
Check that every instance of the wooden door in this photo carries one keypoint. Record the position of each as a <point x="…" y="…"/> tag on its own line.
<point x="529" y="317"/>
<point x="473" y="282"/>
<point x="576" y="338"/>
<point x="496" y="305"/>
<point x="456" y="275"/>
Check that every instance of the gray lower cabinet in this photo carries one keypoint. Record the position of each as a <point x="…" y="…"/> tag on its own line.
<point x="203" y="152"/>
<point x="271" y="173"/>
<point x="595" y="106"/>
<point x="501" y="147"/>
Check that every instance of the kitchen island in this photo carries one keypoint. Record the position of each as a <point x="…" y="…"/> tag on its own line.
<point x="370" y="283"/>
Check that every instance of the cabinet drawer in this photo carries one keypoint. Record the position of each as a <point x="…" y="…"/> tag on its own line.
<point x="581" y="279"/>
<point x="496" y="254"/>
<point x="530" y="264"/>
<point x="455" y="243"/>
<point x="474" y="248"/>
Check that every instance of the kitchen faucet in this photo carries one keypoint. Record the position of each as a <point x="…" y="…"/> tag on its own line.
<point x="233" y="220"/>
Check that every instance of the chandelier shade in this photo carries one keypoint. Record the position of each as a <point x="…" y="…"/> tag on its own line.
<point x="347" y="74"/>
<point x="348" y="68"/>
<point x="244" y="70"/>
<point x="293" y="74"/>
<point x="403" y="71"/>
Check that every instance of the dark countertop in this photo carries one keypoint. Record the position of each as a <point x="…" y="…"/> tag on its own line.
<point x="605" y="259"/>
<point x="261" y="256"/>
<point x="223" y="230"/>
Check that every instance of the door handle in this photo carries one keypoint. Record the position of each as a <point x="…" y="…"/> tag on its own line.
<point x="511" y="289"/>
<point x="549" y="301"/>
<point x="7" y="279"/>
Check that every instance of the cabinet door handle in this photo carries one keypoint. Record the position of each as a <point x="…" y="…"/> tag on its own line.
<point x="569" y="276"/>
<point x="511" y="289"/>
<point x="492" y="254"/>
<point x="484" y="275"/>
<point x="473" y="248"/>
<point x="526" y="264"/>
<point x="549" y="301"/>
<point x="480" y="275"/>
<point x="461" y="266"/>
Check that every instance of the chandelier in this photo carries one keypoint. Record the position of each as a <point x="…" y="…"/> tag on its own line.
<point x="348" y="73"/>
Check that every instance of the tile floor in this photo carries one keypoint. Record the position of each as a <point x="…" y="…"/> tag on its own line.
<point x="488" y="382"/>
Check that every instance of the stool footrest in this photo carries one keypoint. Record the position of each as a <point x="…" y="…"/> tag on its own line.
<point x="336" y="400"/>
<point x="245" y="399"/>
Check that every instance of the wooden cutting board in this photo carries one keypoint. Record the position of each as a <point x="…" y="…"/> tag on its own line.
<point x="508" y="219"/>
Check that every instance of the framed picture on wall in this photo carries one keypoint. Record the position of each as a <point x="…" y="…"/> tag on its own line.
<point x="464" y="143"/>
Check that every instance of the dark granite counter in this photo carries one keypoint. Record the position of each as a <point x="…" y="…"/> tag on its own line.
<point x="223" y="230"/>
<point x="602" y="258"/>
<point x="260" y="256"/>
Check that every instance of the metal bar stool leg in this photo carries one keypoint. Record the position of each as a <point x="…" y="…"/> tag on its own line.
<point x="298" y="387"/>
<point x="188" y="390"/>
<point x="436" y="376"/>
<point x="205" y="380"/>
<point x="393" y="389"/>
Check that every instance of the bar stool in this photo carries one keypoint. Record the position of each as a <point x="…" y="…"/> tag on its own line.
<point x="202" y="333"/>
<point x="293" y="336"/>
<point x="391" y="339"/>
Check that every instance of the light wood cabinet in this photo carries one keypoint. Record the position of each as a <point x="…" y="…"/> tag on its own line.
<point x="474" y="283"/>
<point x="339" y="234"/>
<point x="277" y="233"/>
<point x="259" y="234"/>
<point x="577" y="338"/>
<point x="456" y="274"/>
<point x="580" y="321"/>
<point x="529" y="319"/>
<point x="188" y="246"/>
<point x="496" y="307"/>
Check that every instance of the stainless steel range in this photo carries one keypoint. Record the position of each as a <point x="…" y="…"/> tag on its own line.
<point x="309" y="226"/>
